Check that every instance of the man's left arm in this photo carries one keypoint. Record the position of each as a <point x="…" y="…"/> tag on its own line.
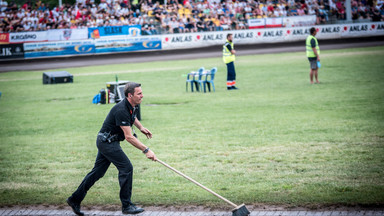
<point x="143" y="130"/>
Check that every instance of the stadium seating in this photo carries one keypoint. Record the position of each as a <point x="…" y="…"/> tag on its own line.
<point x="175" y="17"/>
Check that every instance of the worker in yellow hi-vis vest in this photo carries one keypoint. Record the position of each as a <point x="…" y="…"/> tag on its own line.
<point x="229" y="59"/>
<point x="313" y="54"/>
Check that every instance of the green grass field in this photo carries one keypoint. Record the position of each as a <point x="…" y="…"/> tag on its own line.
<point x="278" y="140"/>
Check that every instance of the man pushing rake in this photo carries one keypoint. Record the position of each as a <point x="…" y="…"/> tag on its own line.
<point x="118" y="127"/>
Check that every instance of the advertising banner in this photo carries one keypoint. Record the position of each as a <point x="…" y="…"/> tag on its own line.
<point x="272" y="35"/>
<point x="273" y="22"/>
<point x="256" y="23"/>
<point x="99" y="32"/>
<point x="33" y="50"/>
<point x="67" y="34"/>
<point x="297" y="21"/>
<point x="4" y="38"/>
<point x="128" y="44"/>
<point x="362" y="29"/>
<point x="11" y="51"/>
<point x="24" y="37"/>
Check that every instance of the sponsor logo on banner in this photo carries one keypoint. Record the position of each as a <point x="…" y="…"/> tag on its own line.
<point x="67" y="34"/>
<point x="358" y="28"/>
<point x="243" y="35"/>
<point x="274" y="33"/>
<point x="151" y="44"/>
<point x="299" y="32"/>
<point x="134" y="31"/>
<point x="11" y="51"/>
<point x="180" y="39"/>
<point x="84" y="49"/>
<point x="328" y="30"/>
<point x="95" y="34"/>
<point x="28" y="37"/>
<point x="24" y="37"/>
<point x="4" y="38"/>
<point x="380" y="27"/>
<point x="213" y="37"/>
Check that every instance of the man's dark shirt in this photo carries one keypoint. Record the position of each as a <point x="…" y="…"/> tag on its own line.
<point x="122" y="114"/>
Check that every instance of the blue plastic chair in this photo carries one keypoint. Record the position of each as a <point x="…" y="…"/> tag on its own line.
<point x="210" y="81"/>
<point x="191" y="78"/>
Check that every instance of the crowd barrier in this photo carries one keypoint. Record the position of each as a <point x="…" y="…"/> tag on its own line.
<point x="129" y="43"/>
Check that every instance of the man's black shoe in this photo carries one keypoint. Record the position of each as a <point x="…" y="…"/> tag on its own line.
<point x="132" y="209"/>
<point x="75" y="207"/>
<point x="232" y="88"/>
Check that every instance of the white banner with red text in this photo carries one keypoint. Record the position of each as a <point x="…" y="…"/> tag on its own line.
<point x="271" y="35"/>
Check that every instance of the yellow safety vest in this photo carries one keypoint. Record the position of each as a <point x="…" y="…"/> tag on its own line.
<point x="227" y="55"/>
<point x="310" y="53"/>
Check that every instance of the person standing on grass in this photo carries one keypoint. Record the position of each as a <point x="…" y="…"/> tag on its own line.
<point x="313" y="54"/>
<point x="117" y="127"/>
<point x="229" y="59"/>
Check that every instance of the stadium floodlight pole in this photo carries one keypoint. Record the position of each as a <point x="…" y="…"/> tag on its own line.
<point x="60" y="3"/>
<point x="348" y="10"/>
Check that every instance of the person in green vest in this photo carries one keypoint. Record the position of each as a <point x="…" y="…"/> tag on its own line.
<point x="229" y="59"/>
<point x="313" y="54"/>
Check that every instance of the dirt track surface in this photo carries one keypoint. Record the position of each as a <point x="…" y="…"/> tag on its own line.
<point x="256" y="210"/>
<point x="215" y="51"/>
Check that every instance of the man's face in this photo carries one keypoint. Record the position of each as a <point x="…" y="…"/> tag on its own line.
<point x="230" y="38"/>
<point x="137" y="96"/>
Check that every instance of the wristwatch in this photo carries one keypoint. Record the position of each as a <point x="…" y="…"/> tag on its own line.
<point x="146" y="150"/>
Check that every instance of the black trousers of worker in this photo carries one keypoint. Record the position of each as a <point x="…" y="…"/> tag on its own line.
<point x="231" y="73"/>
<point x="108" y="153"/>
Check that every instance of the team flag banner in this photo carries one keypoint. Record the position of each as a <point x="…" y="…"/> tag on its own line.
<point x="67" y="34"/>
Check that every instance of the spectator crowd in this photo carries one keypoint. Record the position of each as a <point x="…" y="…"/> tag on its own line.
<point x="175" y="16"/>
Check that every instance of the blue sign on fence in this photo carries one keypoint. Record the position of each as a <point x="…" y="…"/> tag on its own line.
<point x="127" y="45"/>
<point x="99" y="32"/>
<point x="59" y="48"/>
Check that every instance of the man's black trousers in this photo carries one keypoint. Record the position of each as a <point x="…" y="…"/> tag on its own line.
<point x="231" y="73"/>
<point x="108" y="153"/>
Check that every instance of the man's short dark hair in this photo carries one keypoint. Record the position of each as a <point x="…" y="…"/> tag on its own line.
<point x="312" y="30"/>
<point x="130" y="88"/>
<point x="228" y="35"/>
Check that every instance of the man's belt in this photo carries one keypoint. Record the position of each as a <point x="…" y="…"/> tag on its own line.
<point x="107" y="137"/>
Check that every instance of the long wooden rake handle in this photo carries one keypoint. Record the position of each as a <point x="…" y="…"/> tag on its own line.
<point x="197" y="183"/>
